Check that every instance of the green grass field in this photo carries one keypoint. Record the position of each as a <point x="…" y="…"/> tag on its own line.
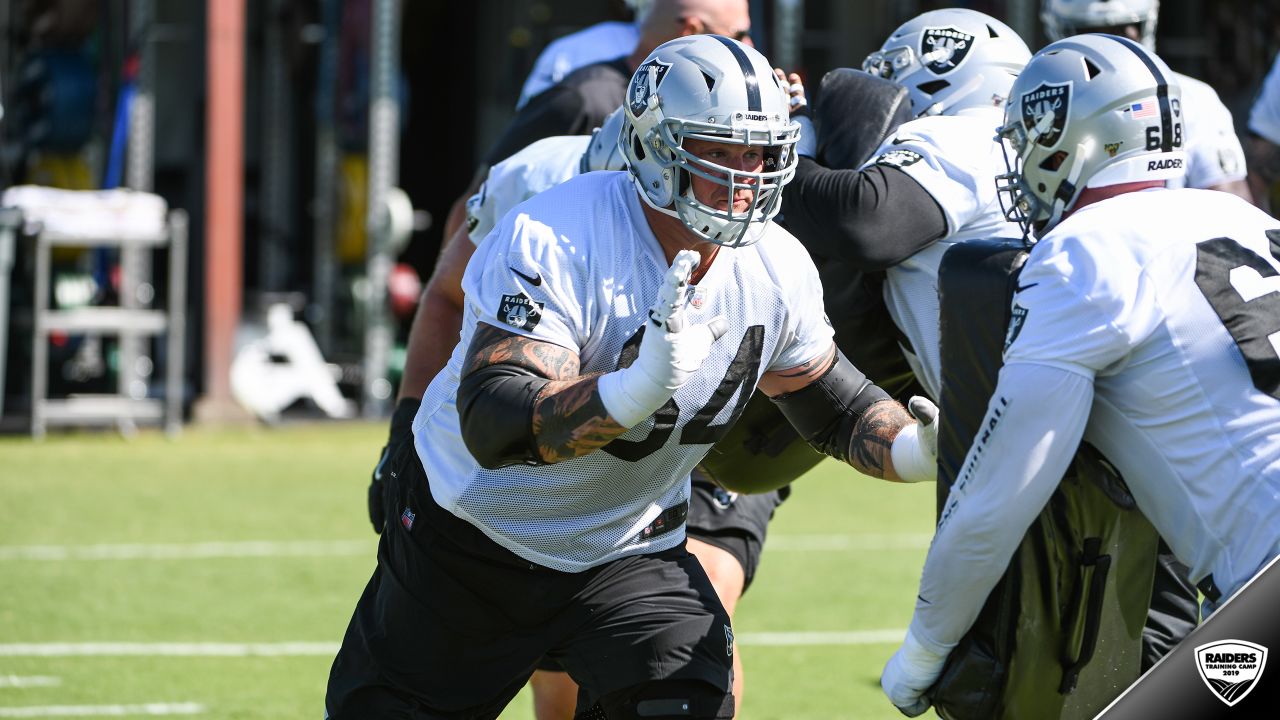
<point x="212" y="576"/>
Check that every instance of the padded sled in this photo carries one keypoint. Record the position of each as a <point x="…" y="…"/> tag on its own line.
<point x="1061" y="635"/>
<point x="854" y="112"/>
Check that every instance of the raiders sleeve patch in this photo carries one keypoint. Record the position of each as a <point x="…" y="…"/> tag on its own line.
<point x="520" y="312"/>
<point x="899" y="158"/>
<point x="1016" y="321"/>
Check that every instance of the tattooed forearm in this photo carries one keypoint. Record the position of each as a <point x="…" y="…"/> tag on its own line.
<point x="570" y="420"/>
<point x="493" y="346"/>
<point x="869" y="448"/>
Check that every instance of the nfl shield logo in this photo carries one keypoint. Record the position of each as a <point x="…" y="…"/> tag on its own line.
<point x="943" y="49"/>
<point x="406" y="519"/>
<point x="1047" y="98"/>
<point x="1231" y="668"/>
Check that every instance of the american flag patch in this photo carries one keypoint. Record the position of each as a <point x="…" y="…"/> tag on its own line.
<point x="1144" y="109"/>
<point x="406" y="519"/>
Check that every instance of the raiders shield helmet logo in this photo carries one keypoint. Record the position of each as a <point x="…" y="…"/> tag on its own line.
<point x="1046" y="98"/>
<point x="644" y="83"/>
<point x="943" y="49"/>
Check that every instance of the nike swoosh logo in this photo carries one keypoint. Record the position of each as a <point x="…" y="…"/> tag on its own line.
<point x="1016" y="288"/>
<point x="534" y="281"/>
<point x="922" y="600"/>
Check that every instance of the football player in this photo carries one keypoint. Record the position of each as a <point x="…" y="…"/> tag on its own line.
<point x="1215" y="158"/>
<point x="615" y="326"/>
<point x="1264" y="140"/>
<point x="929" y="185"/>
<point x="593" y="44"/>
<point x="726" y="531"/>
<point x="1145" y="315"/>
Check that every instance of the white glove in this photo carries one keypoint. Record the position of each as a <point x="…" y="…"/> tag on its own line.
<point x="670" y="353"/>
<point x="915" y="447"/>
<point x="909" y="673"/>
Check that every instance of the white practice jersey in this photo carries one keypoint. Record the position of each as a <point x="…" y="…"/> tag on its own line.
<point x="955" y="158"/>
<point x="1154" y="317"/>
<point x="546" y="163"/>
<point x="578" y="266"/>
<point x="1214" y="153"/>
<point x="1264" y="116"/>
<point x="597" y="43"/>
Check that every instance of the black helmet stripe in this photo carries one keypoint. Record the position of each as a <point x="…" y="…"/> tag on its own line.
<point x="748" y="73"/>
<point x="1162" y="92"/>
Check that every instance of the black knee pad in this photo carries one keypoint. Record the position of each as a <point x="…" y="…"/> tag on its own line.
<point x="663" y="700"/>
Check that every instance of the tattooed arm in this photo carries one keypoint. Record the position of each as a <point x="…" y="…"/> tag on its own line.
<point x="840" y="412"/>
<point x="523" y="401"/>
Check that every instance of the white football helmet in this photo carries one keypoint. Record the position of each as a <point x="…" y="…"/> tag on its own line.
<point x="1064" y="18"/>
<point x="603" y="152"/>
<point x="1088" y="111"/>
<point x="951" y="60"/>
<point x="712" y="88"/>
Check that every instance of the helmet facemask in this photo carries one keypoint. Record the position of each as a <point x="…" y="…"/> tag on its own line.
<point x="716" y="90"/>
<point x="728" y="227"/>
<point x="1036" y="210"/>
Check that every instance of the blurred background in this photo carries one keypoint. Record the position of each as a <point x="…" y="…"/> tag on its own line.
<point x="307" y="152"/>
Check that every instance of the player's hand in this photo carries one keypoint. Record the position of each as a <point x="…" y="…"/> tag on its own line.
<point x="794" y="86"/>
<point x="909" y="674"/>
<point x="915" y="447"/>
<point x="401" y="433"/>
<point x="923" y="409"/>
<point x="671" y="351"/>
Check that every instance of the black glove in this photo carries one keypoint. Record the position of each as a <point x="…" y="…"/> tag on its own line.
<point x="401" y="433"/>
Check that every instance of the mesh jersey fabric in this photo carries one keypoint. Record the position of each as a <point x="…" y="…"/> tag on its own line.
<point x="578" y="266"/>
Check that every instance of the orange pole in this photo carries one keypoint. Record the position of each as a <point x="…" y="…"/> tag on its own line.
<point x="224" y="198"/>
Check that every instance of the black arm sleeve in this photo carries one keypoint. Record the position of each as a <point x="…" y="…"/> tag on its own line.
<point x="873" y="218"/>
<point x="826" y="412"/>
<point x="495" y="411"/>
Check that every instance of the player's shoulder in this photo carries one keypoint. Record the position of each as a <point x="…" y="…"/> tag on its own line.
<point x="1112" y="240"/>
<point x="943" y="129"/>
<point x="562" y="218"/>
<point x="784" y="261"/>
<point x="950" y="137"/>
<point x="1196" y="92"/>
<point x="555" y="156"/>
